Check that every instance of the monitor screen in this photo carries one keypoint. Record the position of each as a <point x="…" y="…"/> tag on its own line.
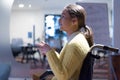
<point x="53" y="35"/>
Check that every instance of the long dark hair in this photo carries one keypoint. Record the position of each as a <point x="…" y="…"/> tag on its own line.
<point x="89" y="35"/>
<point x="79" y="12"/>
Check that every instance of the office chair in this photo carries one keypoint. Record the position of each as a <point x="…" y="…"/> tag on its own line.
<point x="87" y="67"/>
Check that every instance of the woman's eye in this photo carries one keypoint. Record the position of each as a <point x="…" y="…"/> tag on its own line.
<point x="62" y="16"/>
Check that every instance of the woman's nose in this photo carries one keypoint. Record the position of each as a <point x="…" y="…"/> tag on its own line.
<point x="59" y="20"/>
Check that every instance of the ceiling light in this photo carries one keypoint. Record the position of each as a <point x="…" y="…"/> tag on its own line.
<point x="29" y="5"/>
<point x="21" y="5"/>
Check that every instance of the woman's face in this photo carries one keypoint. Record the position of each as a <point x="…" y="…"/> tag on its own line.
<point x="65" y="21"/>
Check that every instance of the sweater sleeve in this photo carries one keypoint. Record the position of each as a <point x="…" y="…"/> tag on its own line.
<point x="55" y="65"/>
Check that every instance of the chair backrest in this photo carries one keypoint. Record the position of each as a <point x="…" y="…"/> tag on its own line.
<point x="15" y="44"/>
<point x="87" y="68"/>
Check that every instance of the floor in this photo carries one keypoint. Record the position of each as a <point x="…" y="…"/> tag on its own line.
<point x="39" y="66"/>
<point x="20" y="79"/>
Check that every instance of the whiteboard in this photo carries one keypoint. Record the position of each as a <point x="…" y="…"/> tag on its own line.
<point x="97" y="18"/>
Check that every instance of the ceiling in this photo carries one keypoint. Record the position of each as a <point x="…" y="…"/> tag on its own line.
<point x="52" y="4"/>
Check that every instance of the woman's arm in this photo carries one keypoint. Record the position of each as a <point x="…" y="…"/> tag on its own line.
<point x="73" y="59"/>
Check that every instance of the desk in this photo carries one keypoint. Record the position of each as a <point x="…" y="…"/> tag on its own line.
<point x="28" y="53"/>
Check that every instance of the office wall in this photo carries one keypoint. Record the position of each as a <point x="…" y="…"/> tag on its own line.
<point x="22" y="22"/>
<point x="116" y="39"/>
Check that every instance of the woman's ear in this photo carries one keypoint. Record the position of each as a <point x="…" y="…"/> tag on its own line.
<point x="74" y="20"/>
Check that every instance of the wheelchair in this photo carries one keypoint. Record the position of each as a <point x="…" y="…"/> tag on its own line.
<point x="88" y="64"/>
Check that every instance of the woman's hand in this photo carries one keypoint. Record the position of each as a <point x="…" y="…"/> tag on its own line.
<point x="43" y="47"/>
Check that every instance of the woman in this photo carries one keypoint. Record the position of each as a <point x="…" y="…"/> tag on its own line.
<point x="67" y="64"/>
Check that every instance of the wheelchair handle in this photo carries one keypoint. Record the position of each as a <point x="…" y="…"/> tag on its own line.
<point x="104" y="48"/>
